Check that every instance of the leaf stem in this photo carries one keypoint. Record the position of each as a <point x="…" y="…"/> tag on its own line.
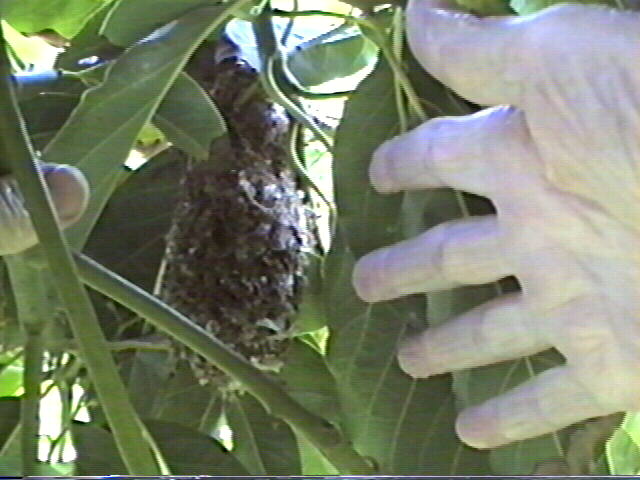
<point x="30" y="298"/>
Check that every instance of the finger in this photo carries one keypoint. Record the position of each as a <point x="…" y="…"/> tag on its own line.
<point x="69" y="191"/>
<point x="454" y="253"/>
<point x="493" y="332"/>
<point x="552" y="400"/>
<point x="476" y="57"/>
<point x="483" y="153"/>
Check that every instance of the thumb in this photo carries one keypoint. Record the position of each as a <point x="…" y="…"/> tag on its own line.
<point x="476" y="57"/>
<point x="69" y="191"/>
<point x="70" y="194"/>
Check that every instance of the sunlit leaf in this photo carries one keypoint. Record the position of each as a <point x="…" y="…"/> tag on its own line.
<point x="67" y="17"/>
<point x="324" y="61"/>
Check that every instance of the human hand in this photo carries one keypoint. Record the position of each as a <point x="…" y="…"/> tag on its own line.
<point x="69" y="191"/>
<point x="560" y="159"/>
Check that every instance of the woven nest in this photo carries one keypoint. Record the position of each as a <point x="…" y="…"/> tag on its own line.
<point x="237" y="248"/>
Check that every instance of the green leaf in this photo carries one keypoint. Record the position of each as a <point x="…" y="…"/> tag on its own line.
<point x="263" y="443"/>
<point x="67" y="17"/>
<point x="103" y="128"/>
<point x="313" y="462"/>
<point x="96" y="450"/>
<point x="404" y="424"/>
<point x="369" y="118"/>
<point x="129" y="237"/>
<point x="183" y="400"/>
<point x="189" y="118"/>
<point x="132" y="20"/>
<point x="11" y="466"/>
<point x="189" y="452"/>
<point x="307" y="379"/>
<point x="324" y="61"/>
<point x="47" y="112"/>
<point x="9" y="418"/>
<point x="486" y="7"/>
<point x="311" y="314"/>
<point x="586" y="453"/>
<point x="623" y="449"/>
<point x="186" y="451"/>
<point x="147" y="373"/>
<point x="526" y="7"/>
<point x="10" y="380"/>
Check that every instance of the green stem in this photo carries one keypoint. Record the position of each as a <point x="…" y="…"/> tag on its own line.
<point x="271" y="57"/>
<point x="30" y="404"/>
<point x="126" y="427"/>
<point x="397" y="40"/>
<point x="323" y="435"/>
<point x="31" y="302"/>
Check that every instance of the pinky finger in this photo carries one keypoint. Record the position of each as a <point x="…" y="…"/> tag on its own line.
<point x="552" y="400"/>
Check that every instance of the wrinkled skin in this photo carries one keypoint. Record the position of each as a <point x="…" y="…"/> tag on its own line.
<point x="559" y="156"/>
<point x="70" y="194"/>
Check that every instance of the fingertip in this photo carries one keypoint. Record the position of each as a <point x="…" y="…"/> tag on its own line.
<point x="478" y="427"/>
<point x="380" y="169"/>
<point x="69" y="190"/>
<point x="411" y="357"/>
<point x="362" y="280"/>
<point x="368" y="278"/>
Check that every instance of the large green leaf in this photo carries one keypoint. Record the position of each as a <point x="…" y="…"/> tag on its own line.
<point x="183" y="400"/>
<point x="404" y="424"/>
<point x="67" y="17"/>
<point x="187" y="451"/>
<point x="102" y="129"/>
<point x="189" y="118"/>
<point x="308" y="380"/>
<point x="146" y="373"/>
<point x="96" y="450"/>
<point x="132" y="20"/>
<point x="129" y="237"/>
<point x="263" y="443"/>
<point x="321" y="62"/>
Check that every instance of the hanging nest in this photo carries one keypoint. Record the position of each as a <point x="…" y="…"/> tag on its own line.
<point x="237" y="248"/>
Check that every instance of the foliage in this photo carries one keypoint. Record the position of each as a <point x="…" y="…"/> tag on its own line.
<point x="338" y="403"/>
